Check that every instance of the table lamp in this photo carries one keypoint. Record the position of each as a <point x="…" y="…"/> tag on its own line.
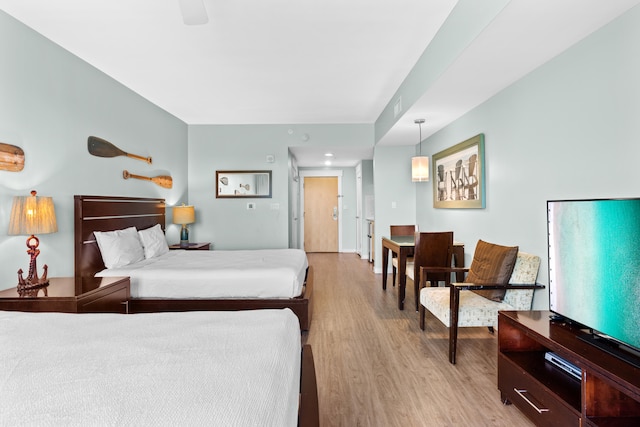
<point x="184" y="215"/>
<point x="31" y="215"/>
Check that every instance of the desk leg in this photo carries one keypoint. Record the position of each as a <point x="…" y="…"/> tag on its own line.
<point x="402" y="278"/>
<point x="385" y="262"/>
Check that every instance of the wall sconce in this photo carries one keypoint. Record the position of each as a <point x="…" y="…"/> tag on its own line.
<point x="31" y="215"/>
<point x="419" y="163"/>
<point x="184" y="215"/>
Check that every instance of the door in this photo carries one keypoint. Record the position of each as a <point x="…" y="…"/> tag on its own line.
<point x="321" y="214"/>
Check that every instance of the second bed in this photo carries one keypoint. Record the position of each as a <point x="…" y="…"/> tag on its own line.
<point x="190" y="280"/>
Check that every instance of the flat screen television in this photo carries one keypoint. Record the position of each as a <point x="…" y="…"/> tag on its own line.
<point x="594" y="270"/>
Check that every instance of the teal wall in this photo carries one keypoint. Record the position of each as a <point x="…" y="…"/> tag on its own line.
<point x="50" y="102"/>
<point x="227" y="222"/>
<point x="395" y="200"/>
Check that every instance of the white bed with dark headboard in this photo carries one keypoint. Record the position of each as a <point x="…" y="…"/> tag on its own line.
<point x="192" y="368"/>
<point x="178" y="280"/>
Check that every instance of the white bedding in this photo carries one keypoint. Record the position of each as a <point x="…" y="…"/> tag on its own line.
<point x="195" y="368"/>
<point x="260" y="273"/>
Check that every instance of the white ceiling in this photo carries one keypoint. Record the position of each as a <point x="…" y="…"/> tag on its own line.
<point x="306" y="61"/>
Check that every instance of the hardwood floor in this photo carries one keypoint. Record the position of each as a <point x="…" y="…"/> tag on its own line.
<point x="375" y="367"/>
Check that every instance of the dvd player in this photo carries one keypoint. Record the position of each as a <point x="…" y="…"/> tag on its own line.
<point x="564" y="365"/>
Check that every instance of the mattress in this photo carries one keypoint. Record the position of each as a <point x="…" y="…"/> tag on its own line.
<point x="196" y="368"/>
<point x="181" y="274"/>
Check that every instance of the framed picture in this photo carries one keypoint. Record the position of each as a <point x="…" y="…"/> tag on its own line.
<point x="239" y="184"/>
<point x="459" y="175"/>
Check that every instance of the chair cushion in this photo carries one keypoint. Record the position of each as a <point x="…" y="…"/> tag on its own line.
<point x="492" y="264"/>
<point x="475" y="310"/>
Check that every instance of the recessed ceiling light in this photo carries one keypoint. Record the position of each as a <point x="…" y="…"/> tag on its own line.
<point x="328" y="154"/>
<point x="327" y="163"/>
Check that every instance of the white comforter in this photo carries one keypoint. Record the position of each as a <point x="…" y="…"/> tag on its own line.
<point x="261" y="273"/>
<point x="196" y="368"/>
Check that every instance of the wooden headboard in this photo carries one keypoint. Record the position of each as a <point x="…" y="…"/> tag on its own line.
<point x="102" y="213"/>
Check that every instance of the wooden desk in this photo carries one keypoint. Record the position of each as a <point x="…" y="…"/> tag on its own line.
<point x="403" y="247"/>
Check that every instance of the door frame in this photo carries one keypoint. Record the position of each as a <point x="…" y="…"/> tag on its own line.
<point x="320" y="173"/>
<point x="359" y="223"/>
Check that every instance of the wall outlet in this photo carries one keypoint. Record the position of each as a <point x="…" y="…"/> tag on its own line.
<point x="251" y="205"/>
<point x="275" y="206"/>
<point x="393" y="205"/>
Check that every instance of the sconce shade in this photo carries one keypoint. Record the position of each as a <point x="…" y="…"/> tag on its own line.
<point x="420" y="168"/>
<point x="184" y="214"/>
<point x="32" y="215"/>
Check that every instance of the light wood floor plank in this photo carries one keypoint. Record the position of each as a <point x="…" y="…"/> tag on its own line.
<point x="375" y="367"/>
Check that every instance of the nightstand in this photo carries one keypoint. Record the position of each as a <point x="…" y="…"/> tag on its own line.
<point x="95" y="295"/>
<point x="193" y="247"/>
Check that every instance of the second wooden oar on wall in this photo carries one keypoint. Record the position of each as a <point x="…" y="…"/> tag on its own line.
<point x="163" y="180"/>
<point x="102" y="148"/>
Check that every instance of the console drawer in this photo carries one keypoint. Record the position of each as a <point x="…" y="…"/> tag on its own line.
<point x="532" y="398"/>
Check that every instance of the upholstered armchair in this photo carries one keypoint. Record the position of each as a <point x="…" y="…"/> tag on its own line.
<point x="500" y="278"/>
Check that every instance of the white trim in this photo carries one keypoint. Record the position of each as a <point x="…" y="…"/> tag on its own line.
<point x="316" y="173"/>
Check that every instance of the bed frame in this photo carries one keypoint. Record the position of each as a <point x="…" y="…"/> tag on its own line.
<point x="103" y="213"/>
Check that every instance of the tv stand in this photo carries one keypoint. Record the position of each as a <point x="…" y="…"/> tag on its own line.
<point x="608" y="393"/>
<point x="612" y="348"/>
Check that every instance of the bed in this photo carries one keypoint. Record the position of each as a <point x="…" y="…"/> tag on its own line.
<point x="104" y="214"/>
<point x="238" y="368"/>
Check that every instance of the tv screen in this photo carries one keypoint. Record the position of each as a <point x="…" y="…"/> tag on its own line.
<point x="594" y="265"/>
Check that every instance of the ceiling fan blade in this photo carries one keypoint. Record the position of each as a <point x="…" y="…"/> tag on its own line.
<point x="193" y="12"/>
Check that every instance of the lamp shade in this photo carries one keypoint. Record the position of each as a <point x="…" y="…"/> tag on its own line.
<point x="420" y="168"/>
<point x="184" y="214"/>
<point x="32" y="215"/>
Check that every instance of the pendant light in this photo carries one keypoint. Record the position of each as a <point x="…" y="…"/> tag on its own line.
<point x="419" y="163"/>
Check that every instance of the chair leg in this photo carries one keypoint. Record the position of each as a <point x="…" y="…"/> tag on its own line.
<point x="490" y="329"/>
<point x="454" y="305"/>
<point x="394" y="275"/>
<point x="421" y="315"/>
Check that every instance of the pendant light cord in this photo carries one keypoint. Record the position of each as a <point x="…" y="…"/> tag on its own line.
<point x="419" y="122"/>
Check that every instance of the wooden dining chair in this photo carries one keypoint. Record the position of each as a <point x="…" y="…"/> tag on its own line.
<point x="432" y="250"/>
<point x="400" y="230"/>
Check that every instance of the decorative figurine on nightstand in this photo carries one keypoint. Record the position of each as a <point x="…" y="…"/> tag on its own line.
<point x="30" y="215"/>
<point x="31" y="287"/>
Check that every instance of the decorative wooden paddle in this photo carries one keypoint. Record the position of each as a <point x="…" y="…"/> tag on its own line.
<point x="101" y="148"/>
<point x="163" y="180"/>
<point x="11" y="158"/>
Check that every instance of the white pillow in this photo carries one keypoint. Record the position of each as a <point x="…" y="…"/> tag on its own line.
<point x="119" y="247"/>
<point x="153" y="241"/>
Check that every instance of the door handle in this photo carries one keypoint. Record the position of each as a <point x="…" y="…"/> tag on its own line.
<point x="335" y="213"/>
